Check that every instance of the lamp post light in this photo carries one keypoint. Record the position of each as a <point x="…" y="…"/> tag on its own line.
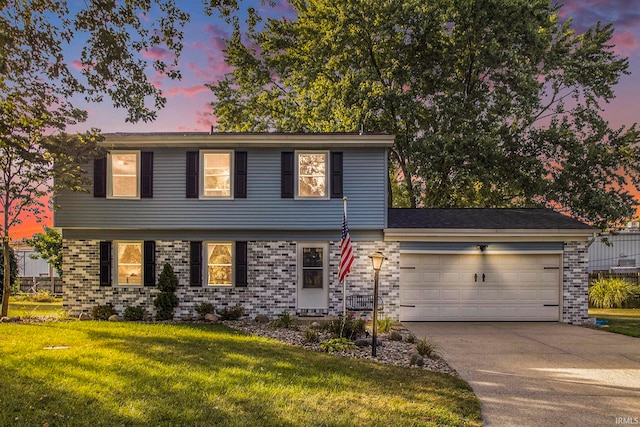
<point x="376" y="259"/>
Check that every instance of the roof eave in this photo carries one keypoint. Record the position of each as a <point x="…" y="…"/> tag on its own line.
<point x="489" y="235"/>
<point x="203" y="140"/>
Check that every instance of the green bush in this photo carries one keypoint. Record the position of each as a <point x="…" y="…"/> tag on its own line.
<point x="311" y="336"/>
<point x="231" y="313"/>
<point x="42" y="296"/>
<point x="166" y="301"/>
<point x="134" y="314"/>
<point x="102" y="312"/>
<point x="338" y="344"/>
<point x="348" y="327"/>
<point x="284" y="320"/>
<point x="385" y="325"/>
<point x="205" y="308"/>
<point x="426" y="347"/>
<point x="611" y="292"/>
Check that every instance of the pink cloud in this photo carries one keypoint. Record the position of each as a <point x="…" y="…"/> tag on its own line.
<point x="186" y="91"/>
<point x="157" y="53"/>
<point x="625" y="42"/>
<point x="217" y="37"/>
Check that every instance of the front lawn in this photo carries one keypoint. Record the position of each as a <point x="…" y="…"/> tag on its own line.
<point x="29" y="309"/>
<point x="620" y="320"/>
<point x="103" y="373"/>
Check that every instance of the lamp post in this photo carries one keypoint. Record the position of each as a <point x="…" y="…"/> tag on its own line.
<point x="376" y="259"/>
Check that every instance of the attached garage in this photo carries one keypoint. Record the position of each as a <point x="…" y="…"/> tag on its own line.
<point x="484" y="286"/>
<point x="490" y="265"/>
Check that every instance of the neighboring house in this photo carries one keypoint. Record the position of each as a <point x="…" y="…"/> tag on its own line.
<point x="617" y="252"/>
<point x="254" y="219"/>
<point x="29" y="265"/>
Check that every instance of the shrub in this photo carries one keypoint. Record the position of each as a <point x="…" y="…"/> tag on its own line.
<point x="102" y="312"/>
<point x="311" y="336"/>
<point x="385" y="325"/>
<point x="205" y="308"/>
<point x="134" y="313"/>
<point x="231" y="313"/>
<point x="425" y="347"/>
<point x="348" y="327"/>
<point x="611" y="292"/>
<point x="42" y="296"/>
<point x="338" y="344"/>
<point x="166" y="301"/>
<point x="284" y="320"/>
<point x="411" y="339"/>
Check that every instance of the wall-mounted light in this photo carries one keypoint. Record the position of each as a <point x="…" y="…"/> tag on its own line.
<point x="482" y="247"/>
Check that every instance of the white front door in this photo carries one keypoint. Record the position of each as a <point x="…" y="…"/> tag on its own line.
<point x="313" y="276"/>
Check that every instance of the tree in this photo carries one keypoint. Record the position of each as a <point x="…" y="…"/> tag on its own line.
<point x="493" y="103"/>
<point x="48" y="245"/>
<point x="39" y="85"/>
<point x="166" y="301"/>
<point x="13" y="269"/>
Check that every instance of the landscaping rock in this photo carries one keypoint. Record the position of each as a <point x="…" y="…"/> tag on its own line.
<point x="362" y="342"/>
<point x="210" y="317"/>
<point x="416" y="360"/>
<point x="4" y="319"/>
<point x="396" y="353"/>
<point x="395" y="336"/>
<point x="187" y="318"/>
<point x="84" y="316"/>
<point x="315" y="325"/>
<point x="114" y="318"/>
<point x="261" y="318"/>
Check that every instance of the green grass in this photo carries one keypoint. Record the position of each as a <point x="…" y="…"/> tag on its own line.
<point x="106" y="374"/>
<point x="620" y="320"/>
<point x="35" y="309"/>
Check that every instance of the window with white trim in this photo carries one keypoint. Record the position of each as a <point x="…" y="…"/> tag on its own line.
<point x="129" y="263"/>
<point x="219" y="263"/>
<point x="215" y="173"/>
<point x="312" y="174"/>
<point x="314" y="265"/>
<point x="123" y="172"/>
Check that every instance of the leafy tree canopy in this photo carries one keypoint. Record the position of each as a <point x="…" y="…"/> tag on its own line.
<point x="493" y="103"/>
<point x="48" y="245"/>
<point x="42" y="72"/>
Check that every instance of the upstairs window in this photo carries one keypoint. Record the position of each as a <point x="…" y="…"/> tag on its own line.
<point x="311" y="170"/>
<point x="123" y="170"/>
<point x="216" y="173"/>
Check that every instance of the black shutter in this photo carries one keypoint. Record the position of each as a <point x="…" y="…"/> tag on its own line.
<point x="149" y="263"/>
<point x="193" y="174"/>
<point x="105" y="263"/>
<point x="240" y="184"/>
<point x="100" y="177"/>
<point x="195" y="264"/>
<point x="146" y="172"/>
<point x="287" y="173"/>
<point x="336" y="175"/>
<point x="241" y="264"/>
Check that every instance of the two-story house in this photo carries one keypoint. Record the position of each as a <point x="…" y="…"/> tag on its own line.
<point x="251" y="219"/>
<point x="255" y="219"/>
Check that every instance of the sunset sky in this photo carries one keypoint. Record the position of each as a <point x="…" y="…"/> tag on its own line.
<point x="188" y="101"/>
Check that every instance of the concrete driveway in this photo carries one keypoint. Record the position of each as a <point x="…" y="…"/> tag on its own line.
<point x="543" y="374"/>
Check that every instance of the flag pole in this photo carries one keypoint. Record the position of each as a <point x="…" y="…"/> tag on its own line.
<point x="344" y="281"/>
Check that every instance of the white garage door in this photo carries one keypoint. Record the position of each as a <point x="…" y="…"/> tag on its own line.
<point x="461" y="287"/>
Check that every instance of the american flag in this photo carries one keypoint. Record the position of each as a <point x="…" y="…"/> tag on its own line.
<point x="346" y="250"/>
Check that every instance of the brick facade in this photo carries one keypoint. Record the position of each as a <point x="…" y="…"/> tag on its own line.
<point x="272" y="279"/>
<point x="575" y="283"/>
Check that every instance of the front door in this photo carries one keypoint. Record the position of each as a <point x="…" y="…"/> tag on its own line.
<point x="313" y="276"/>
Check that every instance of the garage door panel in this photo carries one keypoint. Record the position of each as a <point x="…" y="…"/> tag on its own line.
<point x="515" y="287"/>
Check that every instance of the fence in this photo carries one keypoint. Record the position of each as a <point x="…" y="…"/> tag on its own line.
<point x="33" y="284"/>
<point x="634" y="278"/>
